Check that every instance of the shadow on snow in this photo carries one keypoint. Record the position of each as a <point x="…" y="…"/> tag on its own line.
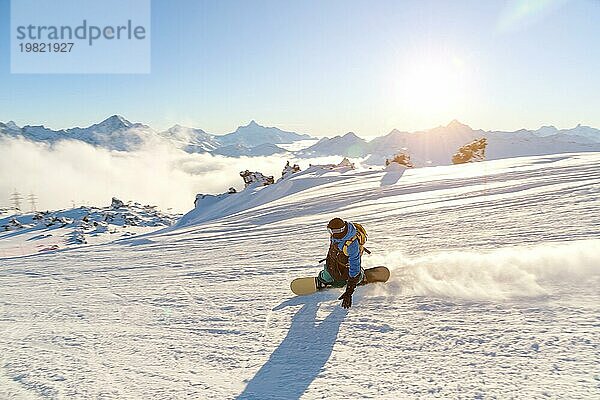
<point x="392" y="176"/>
<point x="301" y="355"/>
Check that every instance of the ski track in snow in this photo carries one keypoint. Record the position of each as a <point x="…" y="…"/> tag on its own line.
<point x="494" y="294"/>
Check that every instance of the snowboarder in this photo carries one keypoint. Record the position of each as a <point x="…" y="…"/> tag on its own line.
<point x="343" y="262"/>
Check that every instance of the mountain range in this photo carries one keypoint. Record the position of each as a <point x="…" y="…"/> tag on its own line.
<point x="117" y="133"/>
<point x="436" y="146"/>
<point x="428" y="147"/>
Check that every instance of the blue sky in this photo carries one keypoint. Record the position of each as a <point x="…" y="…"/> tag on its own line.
<point x="329" y="67"/>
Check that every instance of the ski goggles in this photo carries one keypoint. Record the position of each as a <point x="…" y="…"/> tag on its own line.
<point x="335" y="230"/>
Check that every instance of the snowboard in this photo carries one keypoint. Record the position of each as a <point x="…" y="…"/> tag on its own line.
<point x="303" y="286"/>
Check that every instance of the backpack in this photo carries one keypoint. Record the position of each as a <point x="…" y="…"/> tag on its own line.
<point x="361" y="236"/>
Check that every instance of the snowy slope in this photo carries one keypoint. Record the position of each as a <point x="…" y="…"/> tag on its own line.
<point x="493" y="294"/>
<point x="44" y="231"/>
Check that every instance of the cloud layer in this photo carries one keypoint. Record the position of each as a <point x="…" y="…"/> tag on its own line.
<point x="74" y="172"/>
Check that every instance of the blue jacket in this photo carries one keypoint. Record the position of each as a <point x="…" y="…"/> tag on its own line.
<point x="353" y="250"/>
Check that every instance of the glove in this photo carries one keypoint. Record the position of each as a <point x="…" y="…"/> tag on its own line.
<point x="346" y="298"/>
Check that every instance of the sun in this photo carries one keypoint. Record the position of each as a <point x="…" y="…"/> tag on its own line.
<point x="433" y="86"/>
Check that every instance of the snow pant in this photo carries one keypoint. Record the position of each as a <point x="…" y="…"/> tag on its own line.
<point x="326" y="278"/>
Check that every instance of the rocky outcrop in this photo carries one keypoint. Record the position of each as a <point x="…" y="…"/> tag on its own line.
<point x="256" y="179"/>
<point x="471" y="152"/>
<point x="401" y="159"/>
<point x="288" y="170"/>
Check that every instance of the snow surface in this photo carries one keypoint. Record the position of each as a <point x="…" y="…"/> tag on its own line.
<point x="493" y="294"/>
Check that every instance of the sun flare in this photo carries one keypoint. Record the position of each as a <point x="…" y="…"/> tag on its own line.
<point x="433" y="86"/>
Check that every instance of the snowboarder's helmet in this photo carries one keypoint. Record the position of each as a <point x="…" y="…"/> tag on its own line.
<point x="337" y="228"/>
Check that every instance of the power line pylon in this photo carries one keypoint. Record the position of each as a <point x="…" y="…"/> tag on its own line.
<point x="33" y="201"/>
<point x="16" y="199"/>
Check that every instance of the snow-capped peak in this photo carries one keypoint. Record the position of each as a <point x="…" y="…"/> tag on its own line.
<point x="12" y="125"/>
<point x="114" y="122"/>
<point x="254" y="134"/>
<point x="546" y="130"/>
<point x="192" y="140"/>
<point x="351" y="135"/>
<point x="456" y="124"/>
<point x="180" y="128"/>
<point x="251" y="124"/>
<point x="10" y="128"/>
